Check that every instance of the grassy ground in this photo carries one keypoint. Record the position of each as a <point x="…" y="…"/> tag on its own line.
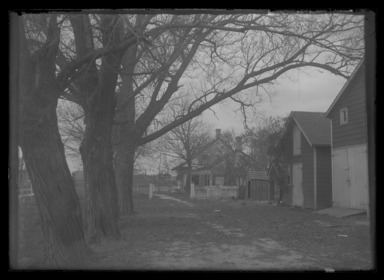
<point x="180" y="233"/>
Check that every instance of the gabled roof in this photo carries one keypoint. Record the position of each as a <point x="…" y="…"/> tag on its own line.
<point x="314" y="125"/>
<point x="202" y="149"/>
<point x="358" y="71"/>
<point x="224" y="157"/>
<point x="217" y="160"/>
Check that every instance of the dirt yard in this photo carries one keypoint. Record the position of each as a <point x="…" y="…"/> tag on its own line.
<point x="172" y="232"/>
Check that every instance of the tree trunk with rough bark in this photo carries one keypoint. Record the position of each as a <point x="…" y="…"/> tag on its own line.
<point x="125" y="149"/>
<point x="100" y="187"/>
<point x="124" y="166"/>
<point x="43" y="152"/>
<point x="102" y="203"/>
<point x="55" y="193"/>
<point x="97" y="154"/>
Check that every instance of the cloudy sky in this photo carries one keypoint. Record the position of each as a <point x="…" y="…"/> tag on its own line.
<point x="313" y="91"/>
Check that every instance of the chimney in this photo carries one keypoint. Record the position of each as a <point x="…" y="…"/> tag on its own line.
<point x="218" y="133"/>
<point x="239" y="145"/>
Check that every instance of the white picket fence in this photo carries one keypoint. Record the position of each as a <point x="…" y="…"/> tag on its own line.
<point x="211" y="192"/>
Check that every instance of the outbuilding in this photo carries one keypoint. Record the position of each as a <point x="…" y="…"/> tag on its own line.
<point x="258" y="186"/>
<point x="348" y="118"/>
<point x="307" y="157"/>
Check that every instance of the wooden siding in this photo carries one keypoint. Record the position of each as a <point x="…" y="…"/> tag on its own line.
<point x="296" y="140"/>
<point x="308" y="173"/>
<point x="287" y="196"/>
<point x="324" y="177"/>
<point x="288" y="159"/>
<point x="306" y="158"/>
<point x="355" y="131"/>
<point x="260" y="190"/>
<point x="288" y="148"/>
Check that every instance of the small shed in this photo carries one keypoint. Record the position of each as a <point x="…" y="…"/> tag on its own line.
<point x="307" y="156"/>
<point x="258" y="186"/>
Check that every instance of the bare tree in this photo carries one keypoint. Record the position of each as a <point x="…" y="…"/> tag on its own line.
<point x="267" y="148"/>
<point x="262" y="139"/>
<point x="208" y="57"/>
<point x="187" y="139"/>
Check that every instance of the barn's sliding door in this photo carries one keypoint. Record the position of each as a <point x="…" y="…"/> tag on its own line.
<point x="340" y="188"/>
<point x="358" y="175"/>
<point x="350" y="177"/>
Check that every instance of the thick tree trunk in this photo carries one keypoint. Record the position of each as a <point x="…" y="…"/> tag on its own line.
<point x="125" y="150"/>
<point x="99" y="179"/>
<point x="55" y="192"/>
<point x="102" y="204"/>
<point x="43" y="152"/>
<point x="124" y="166"/>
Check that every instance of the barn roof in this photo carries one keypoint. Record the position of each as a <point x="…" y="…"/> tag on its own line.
<point x="358" y="71"/>
<point x="315" y="127"/>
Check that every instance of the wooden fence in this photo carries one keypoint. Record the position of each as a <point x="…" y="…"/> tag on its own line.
<point x="211" y="192"/>
<point x="145" y="189"/>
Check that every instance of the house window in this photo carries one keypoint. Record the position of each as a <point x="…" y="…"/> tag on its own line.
<point x="344" y="116"/>
<point x="296" y="140"/>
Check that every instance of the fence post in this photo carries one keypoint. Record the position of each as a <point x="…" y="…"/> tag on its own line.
<point x="151" y="190"/>
<point x="192" y="190"/>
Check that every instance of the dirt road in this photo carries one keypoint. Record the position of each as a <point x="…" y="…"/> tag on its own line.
<point x="172" y="232"/>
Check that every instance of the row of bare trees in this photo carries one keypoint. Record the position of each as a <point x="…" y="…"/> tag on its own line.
<point x="125" y="72"/>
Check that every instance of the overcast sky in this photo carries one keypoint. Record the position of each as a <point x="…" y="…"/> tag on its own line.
<point x="313" y="92"/>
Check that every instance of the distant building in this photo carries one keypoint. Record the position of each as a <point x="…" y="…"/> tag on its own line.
<point x="258" y="186"/>
<point x="217" y="164"/>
